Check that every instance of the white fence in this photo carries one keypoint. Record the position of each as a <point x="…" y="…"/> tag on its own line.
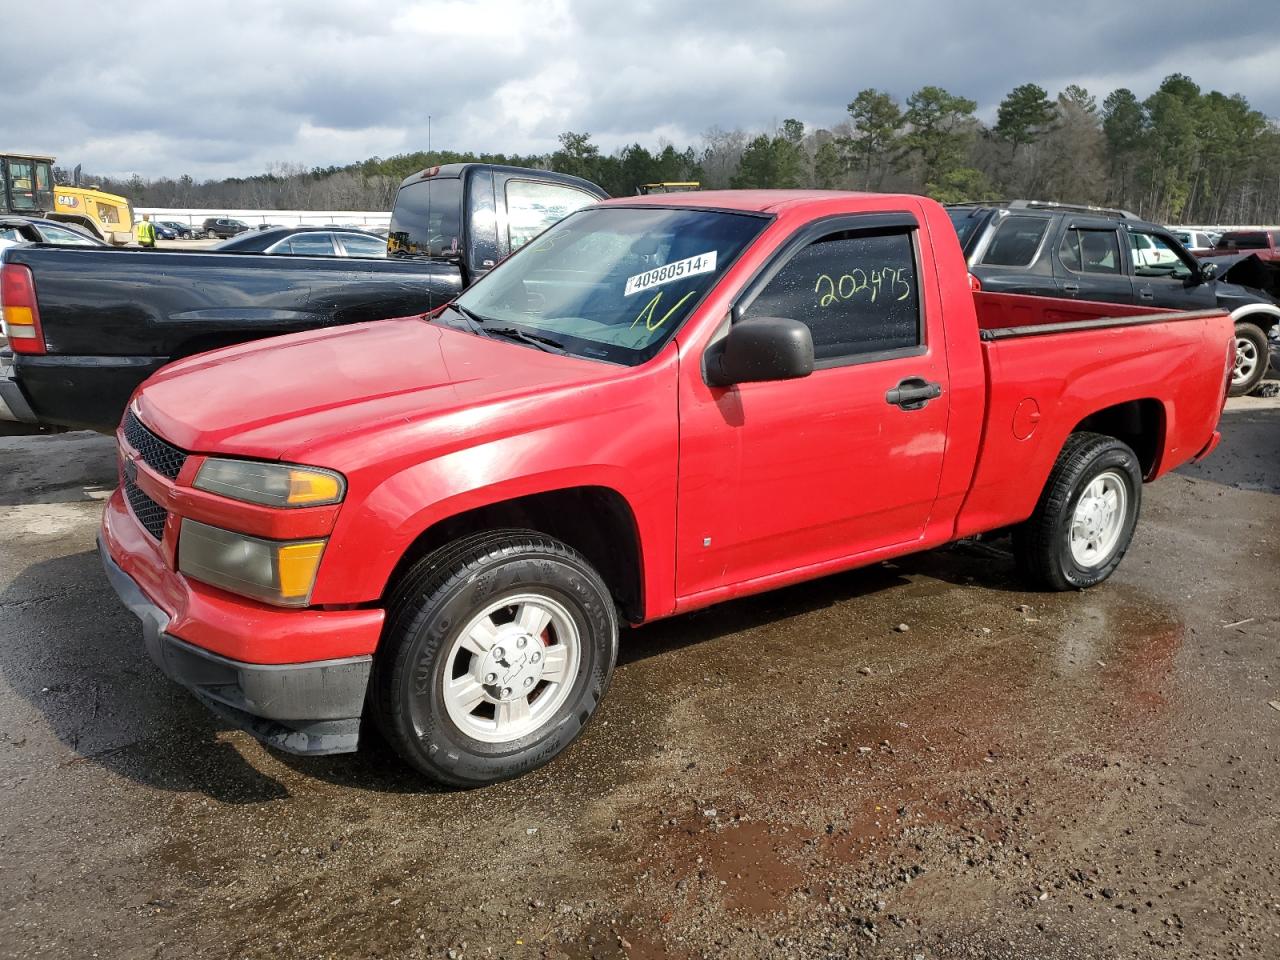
<point x="1219" y="227"/>
<point x="366" y="219"/>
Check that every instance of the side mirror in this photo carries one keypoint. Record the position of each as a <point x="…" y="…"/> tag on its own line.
<point x="759" y="349"/>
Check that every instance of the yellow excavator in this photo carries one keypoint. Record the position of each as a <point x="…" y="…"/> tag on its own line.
<point x="27" y="188"/>
<point x="668" y="186"/>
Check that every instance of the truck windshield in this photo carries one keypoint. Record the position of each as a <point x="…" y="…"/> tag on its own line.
<point x="611" y="283"/>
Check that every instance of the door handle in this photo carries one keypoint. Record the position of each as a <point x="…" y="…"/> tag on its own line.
<point x="913" y="393"/>
<point x="1146" y="295"/>
<point x="1072" y="288"/>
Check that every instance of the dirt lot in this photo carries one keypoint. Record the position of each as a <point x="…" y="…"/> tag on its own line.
<point x="1016" y="775"/>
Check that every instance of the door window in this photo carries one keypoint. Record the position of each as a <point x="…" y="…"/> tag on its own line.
<point x="358" y="245"/>
<point x="1154" y="257"/>
<point x="44" y="186"/>
<point x="533" y="206"/>
<point x="22" y="185"/>
<point x="306" y="245"/>
<point x="1016" y="241"/>
<point x="857" y="293"/>
<point x="1090" y="251"/>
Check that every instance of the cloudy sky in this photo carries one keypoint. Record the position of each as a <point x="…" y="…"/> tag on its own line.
<point x="222" y="87"/>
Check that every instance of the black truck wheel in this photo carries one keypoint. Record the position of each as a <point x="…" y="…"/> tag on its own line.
<point x="1251" y="358"/>
<point x="497" y="649"/>
<point x="1085" y="518"/>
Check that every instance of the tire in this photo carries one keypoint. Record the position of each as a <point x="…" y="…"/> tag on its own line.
<point x="1252" y="358"/>
<point x="456" y="604"/>
<point x="1091" y="471"/>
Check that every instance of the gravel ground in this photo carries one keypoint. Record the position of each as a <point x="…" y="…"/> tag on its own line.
<point x="1014" y="775"/>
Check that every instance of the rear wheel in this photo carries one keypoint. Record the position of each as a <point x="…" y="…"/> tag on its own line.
<point x="497" y="650"/>
<point x="1251" y="358"/>
<point x="1085" y="519"/>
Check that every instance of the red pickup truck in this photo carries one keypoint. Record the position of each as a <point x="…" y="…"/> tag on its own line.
<point x="1263" y="244"/>
<point x="438" y="523"/>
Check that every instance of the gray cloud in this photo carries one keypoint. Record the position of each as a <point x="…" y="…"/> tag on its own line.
<point x="227" y="88"/>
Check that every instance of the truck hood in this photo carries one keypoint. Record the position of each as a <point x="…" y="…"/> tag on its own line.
<point x="280" y="398"/>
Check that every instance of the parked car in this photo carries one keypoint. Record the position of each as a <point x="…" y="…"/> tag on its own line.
<point x="1264" y="244"/>
<point x="307" y="242"/>
<point x="181" y="231"/>
<point x="108" y="319"/>
<point x="1148" y="252"/>
<point x="164" y="232"/>
<point x="224" y="227"/>
<point x="1090" y="253"/>
<point x="659" y="404"/>
<point x="19" y="229"/>
<point x="1197" y="241"/>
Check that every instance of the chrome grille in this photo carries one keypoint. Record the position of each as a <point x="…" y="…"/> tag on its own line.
<point x="162" y="457"/>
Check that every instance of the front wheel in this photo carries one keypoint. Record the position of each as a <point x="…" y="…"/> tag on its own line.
<point x="497" y="650"/>
<point x="1086" y="515"/>
<point x="1251" y="358"/>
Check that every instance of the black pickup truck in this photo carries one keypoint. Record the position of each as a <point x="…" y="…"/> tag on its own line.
<point x="1091" y="253"/>
<point x="105" y="319"/>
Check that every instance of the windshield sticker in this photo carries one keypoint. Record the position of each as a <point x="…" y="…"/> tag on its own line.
<point x="688" y="267"/>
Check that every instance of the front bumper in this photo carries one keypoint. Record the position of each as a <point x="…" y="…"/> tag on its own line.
<point x="305" y="708"/>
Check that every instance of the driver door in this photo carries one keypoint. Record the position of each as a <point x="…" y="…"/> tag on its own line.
<point x="779" y="476"/>
<point x="1165" y="275"/>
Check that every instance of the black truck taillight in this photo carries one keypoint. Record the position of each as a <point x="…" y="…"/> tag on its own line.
<point x="18" y="306"/>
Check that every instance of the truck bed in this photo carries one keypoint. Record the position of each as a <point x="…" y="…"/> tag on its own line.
<point x="1004" y="315"/>
<point x="1129" y="367"/>
<point x="112" y="317"/>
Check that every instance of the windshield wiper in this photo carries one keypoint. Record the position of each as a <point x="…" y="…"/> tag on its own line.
<point x="473" y="319"/>
<point x="481" y="326"/>
<point x="533" y="339"/>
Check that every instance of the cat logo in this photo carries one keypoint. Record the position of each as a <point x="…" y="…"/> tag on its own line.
<point x="65" y="201"/>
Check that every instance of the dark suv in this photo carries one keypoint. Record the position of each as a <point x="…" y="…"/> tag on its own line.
<point x="224" y="227"/>
<point x="1058" y="250"/>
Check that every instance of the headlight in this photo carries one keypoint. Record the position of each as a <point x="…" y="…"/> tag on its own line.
<point x="271" y="484"/>
<point x="274" y="571"/>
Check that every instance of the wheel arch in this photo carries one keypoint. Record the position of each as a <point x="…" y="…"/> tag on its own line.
<point x="597" y="521"/>
<point x="1142" y="424"/>
<point x="1259" y="314"/>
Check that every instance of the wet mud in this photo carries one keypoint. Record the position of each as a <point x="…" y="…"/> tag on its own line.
<point x="1015" y="775"/>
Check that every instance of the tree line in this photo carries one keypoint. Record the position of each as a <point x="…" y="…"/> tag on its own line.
<point x="1179" y="155"/>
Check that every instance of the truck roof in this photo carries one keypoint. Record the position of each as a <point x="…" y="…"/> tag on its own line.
<point x="454" y="170"/>
<point x="751" y="201"/>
